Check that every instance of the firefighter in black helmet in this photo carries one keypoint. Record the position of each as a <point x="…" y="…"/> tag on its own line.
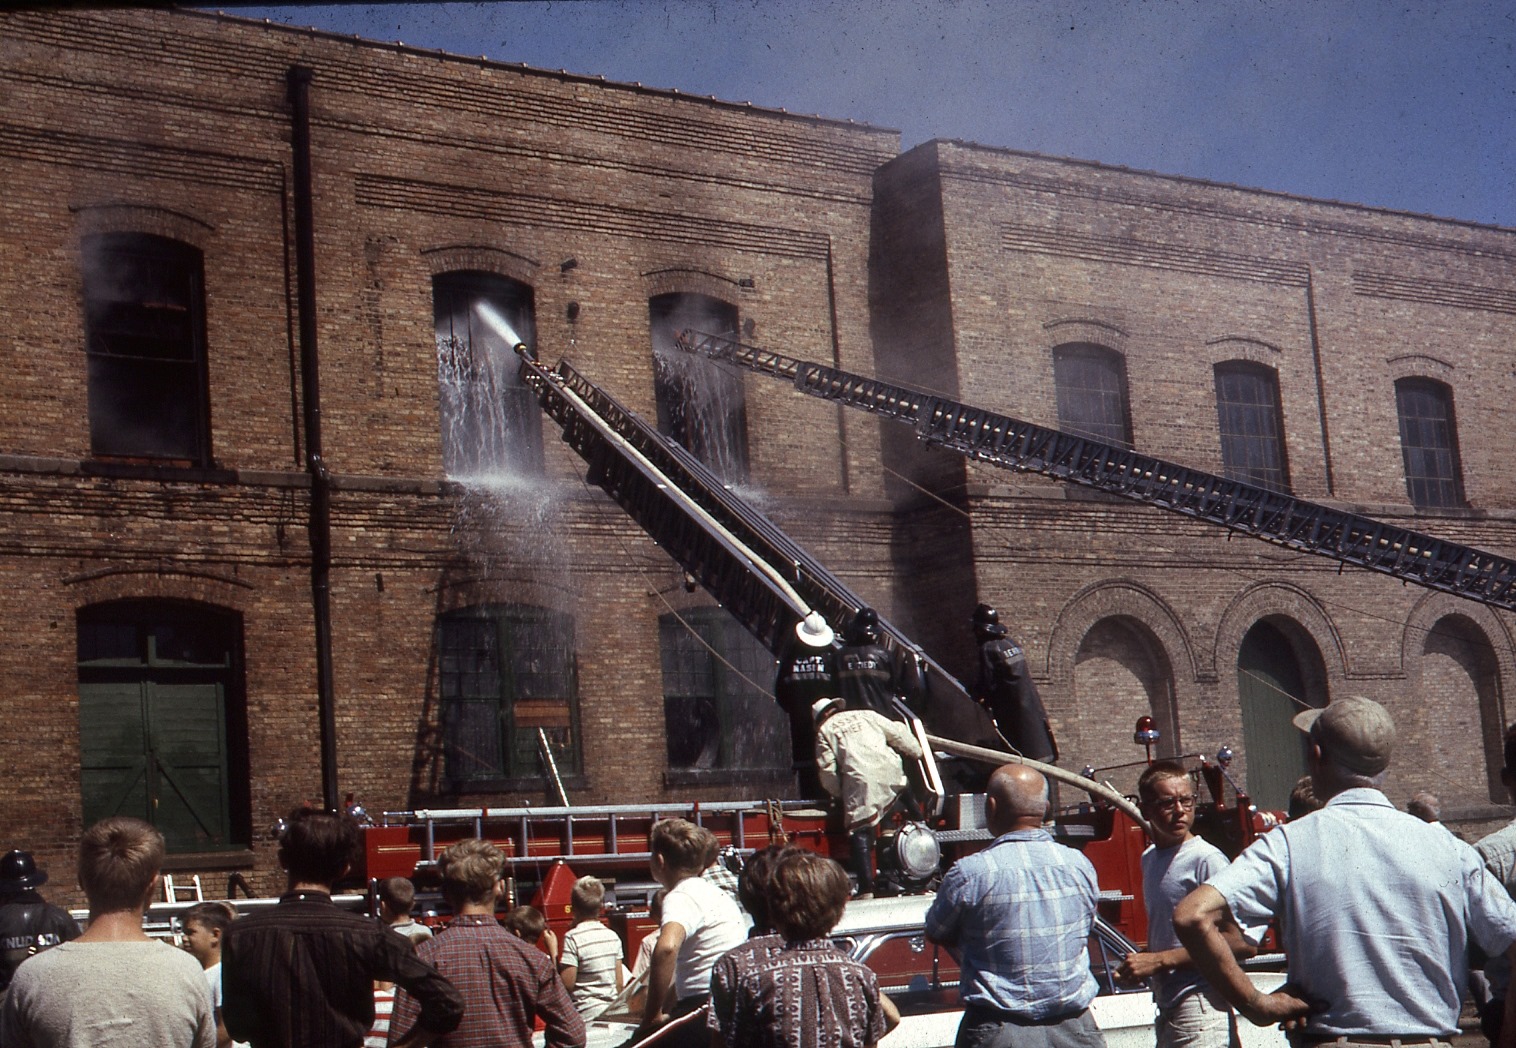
<point x="869" y="675"/>
<point x="1006" y="689"/>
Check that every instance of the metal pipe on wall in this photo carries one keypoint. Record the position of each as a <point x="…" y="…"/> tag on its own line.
<point x="298" y="81"/>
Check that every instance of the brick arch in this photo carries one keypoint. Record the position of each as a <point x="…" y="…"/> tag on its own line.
<point x="1139" y="636"/>
<point x="460" y="588"/>
<point x="1285" y="601"/>
<point x="458" y="257"/>
<point x="1063" y="330"/>
<point x="202" y="587"/>
<point x="1116" y="597"/>
<point x="1420" y="365"/>
<point x="1459" y="663"/>
<point x="1239" y="347"/>
<point x="687" y="280"/>
<point x="95" y="219"/>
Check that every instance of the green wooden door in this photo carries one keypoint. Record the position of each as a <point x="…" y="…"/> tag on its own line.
<point x="1271" y="689"/>
<point x="157" y="751"/>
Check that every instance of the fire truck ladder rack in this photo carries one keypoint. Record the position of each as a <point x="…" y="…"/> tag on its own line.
<point x="1021" y="446"/>
<point x="606" y="834"/>
<point x="756" y="571"/>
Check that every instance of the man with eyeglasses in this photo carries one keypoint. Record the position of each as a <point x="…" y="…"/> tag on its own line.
<point x="1191" y="1014"/>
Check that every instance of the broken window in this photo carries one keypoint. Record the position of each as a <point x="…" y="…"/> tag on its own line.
<point x="1092" y="396"/>
<point x="144" y="322"/>
<point x="1429" y="443"/>
<point x="1252" y="433"/>
<point x="507" y="682"/>
<point x="718" y="710"/>
<point x="490" y="419"/>
<point x="701" y="403"/>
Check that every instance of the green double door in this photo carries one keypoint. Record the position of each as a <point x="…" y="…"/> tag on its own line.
<point x="153" y="689"/>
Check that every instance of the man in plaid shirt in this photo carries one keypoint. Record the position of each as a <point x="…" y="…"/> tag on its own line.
<point x="506" y="982"/>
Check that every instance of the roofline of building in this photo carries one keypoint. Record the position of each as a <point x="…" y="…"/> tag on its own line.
<point x="1193" y="180"/>
<point x="635" y="87"/>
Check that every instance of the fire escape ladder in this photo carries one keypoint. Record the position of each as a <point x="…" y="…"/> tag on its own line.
<point x="1012" y="444"/>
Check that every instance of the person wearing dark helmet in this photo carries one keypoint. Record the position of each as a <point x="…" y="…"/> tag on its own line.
<point x="28" y="923"/>
<point x="869" y="675"/>
<point x="807" y="672"/>
<point x="1007" y="690"/>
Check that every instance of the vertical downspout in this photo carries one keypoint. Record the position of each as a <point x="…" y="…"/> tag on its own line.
<point x="1321" y="395"/>
<point x="299" y="83"/>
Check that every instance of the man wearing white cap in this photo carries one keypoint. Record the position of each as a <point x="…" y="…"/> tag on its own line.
<point x="859" y="758"/>
<point x="807" y="672"/>
<point x="1377" y="908"/>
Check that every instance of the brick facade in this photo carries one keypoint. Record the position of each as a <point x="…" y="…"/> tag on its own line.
<point x="957" y="267"/>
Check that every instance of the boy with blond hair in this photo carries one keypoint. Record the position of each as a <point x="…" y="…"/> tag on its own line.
<point x="591" y="963"/>
<point x="113" y="984"/>
<point x="506" y="983"/>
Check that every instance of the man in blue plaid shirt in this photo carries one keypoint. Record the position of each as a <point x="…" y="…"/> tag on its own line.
<point x="1019" y="914"/>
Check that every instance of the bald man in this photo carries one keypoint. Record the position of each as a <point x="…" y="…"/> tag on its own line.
<point x="1019" y="914"/>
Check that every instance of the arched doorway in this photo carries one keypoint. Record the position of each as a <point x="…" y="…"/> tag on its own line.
<point x="1121" y="673"/>
<point x="1279" y="673"/>
<point x="1459" y="667"/>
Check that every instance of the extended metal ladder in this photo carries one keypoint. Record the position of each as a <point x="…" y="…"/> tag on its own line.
<point x="1016" y="445"/>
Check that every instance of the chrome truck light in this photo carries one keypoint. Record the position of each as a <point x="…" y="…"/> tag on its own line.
<point x="918" y="853"/>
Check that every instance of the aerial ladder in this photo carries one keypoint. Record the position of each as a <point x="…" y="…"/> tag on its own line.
<point x="1013" y="444"/>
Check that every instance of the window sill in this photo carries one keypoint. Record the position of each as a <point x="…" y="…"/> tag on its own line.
<point x="199" y="862"/>
<point x="784" y="781"/>
<point x="156" y="471"/>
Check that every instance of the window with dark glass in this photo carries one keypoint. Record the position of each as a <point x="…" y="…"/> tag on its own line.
<point x="717" y="709"/>
<point x="144" y="325"/>
<point x="1429" y="443"/>
<point x="490" y="420"/>
<point x="162" y="724"/>
<point x="507" y="682"/>
<point x="701" y="403"/>
<point x="1249" y="417"/>
<point x="1092" y="393"/>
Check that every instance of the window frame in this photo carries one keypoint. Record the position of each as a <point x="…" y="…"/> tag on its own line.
<point x="672" y="384"/>
<point x="519" y="448"/>
<point x="729" y="693"/>
<point x="1449" y="482"/>
<point x="115" y="322"/>
<point x="1275" y="475"/>
<point x="1067" y="361"/>
<point x="508" y="623"/>
<point x="136" y="670"/>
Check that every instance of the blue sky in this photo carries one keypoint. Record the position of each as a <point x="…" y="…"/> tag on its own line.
<point x="1404" y="105"/>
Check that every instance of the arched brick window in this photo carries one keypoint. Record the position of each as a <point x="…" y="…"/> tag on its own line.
<point x="1251" y="424"/>
<point x="1092" y="393"/>
<point x="491" y="424"/>
<point x="1429" y="443"/>
<point x="701" y="403"/>
<point x="718" y="713"/>
<point x="507" y="672"/>
<point x="144" y="324"/>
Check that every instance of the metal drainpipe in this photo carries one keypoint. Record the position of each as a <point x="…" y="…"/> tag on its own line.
<point x="320" y="529"/>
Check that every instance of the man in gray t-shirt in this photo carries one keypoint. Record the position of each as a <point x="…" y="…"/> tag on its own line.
<point x="1191" y="1014"/>
<point x="113" y="984"/>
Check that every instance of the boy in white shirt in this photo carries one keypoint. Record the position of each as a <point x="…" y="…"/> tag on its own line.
<point x="700" y="923"/>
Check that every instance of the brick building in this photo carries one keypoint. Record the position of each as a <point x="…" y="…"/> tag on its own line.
<point x="156" y="572"/>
